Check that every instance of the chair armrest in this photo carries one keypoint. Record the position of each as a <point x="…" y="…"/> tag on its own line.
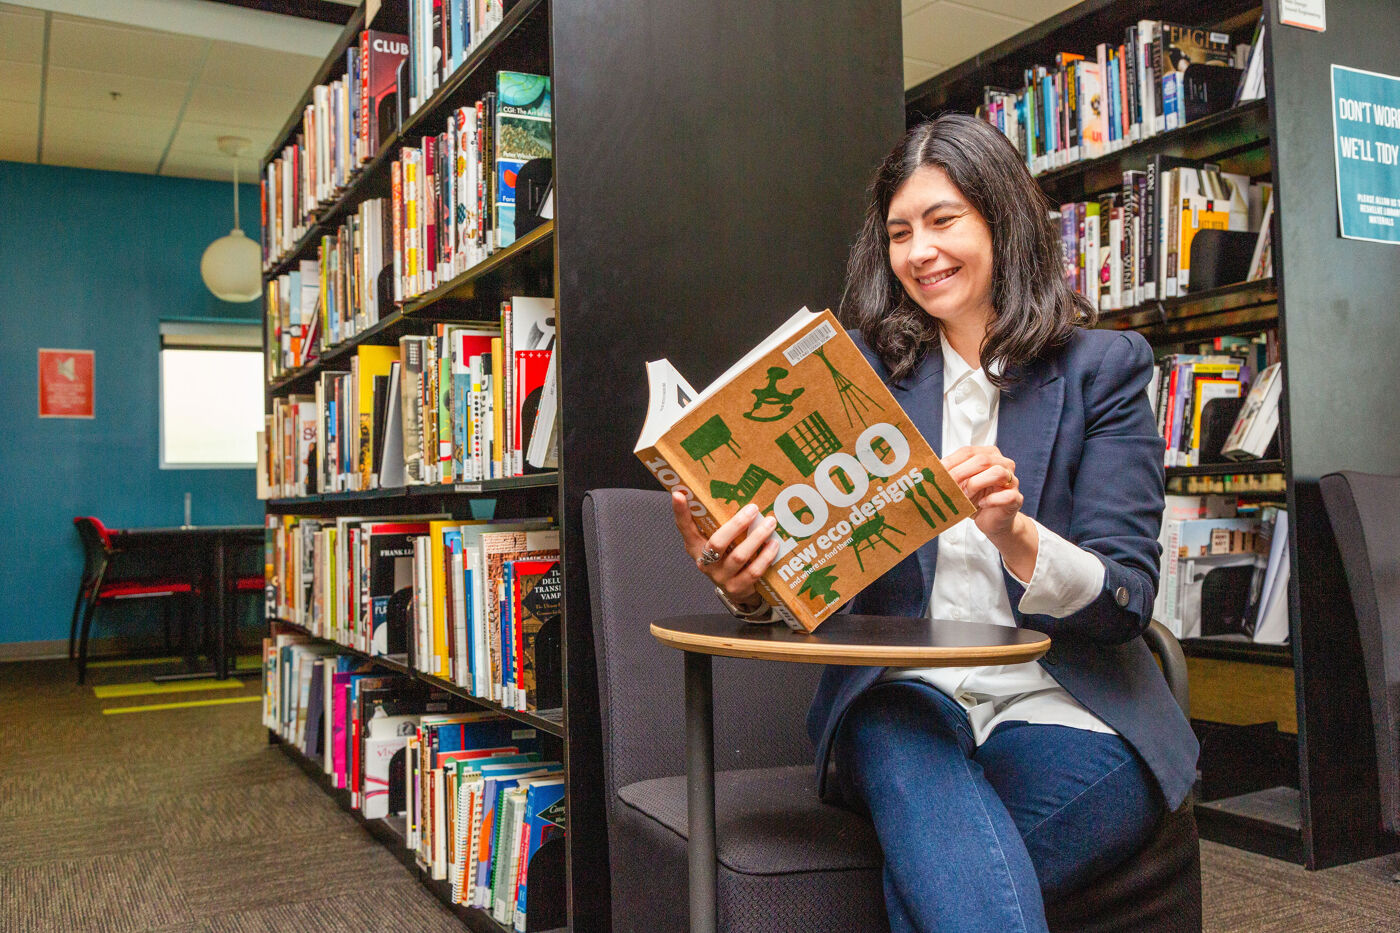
<point x="1161" y="642"/>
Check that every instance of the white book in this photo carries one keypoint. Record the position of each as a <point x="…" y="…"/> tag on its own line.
<point x="1271" y="625"/>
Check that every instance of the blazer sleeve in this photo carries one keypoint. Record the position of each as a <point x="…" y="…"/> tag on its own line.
<point x="1118" y="494"/>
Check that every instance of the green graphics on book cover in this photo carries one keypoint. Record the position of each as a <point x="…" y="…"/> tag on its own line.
<point x="803" y="428"/>
<point x="523" y="132"/>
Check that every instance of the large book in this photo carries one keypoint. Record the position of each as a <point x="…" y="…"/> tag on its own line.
<point x="522" y="131"/>
<point x="1253" y="430"/>
<point x="804" y="429"/>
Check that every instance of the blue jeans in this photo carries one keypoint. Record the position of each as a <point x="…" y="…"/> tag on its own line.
<point x="976" y="838"/>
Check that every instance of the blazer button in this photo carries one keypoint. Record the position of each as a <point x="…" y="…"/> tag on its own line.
<point x="1120" y="595"/>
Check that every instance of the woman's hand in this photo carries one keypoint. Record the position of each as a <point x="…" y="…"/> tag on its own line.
<point x="988" y="478"/>
<point x="744" y="552"/>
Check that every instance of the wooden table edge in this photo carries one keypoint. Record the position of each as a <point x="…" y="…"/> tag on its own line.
<point x="875" y="655"/>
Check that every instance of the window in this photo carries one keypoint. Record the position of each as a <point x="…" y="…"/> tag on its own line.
<point x="211" y="394"/>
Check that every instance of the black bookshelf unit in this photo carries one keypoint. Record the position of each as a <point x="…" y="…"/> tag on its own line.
<point x="686" y="227"/>
<point x="1332" y="302"/>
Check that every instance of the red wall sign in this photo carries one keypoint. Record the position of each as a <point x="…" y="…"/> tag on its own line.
<point x="66" y="384"/>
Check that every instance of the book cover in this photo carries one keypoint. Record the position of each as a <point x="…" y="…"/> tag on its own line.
<point x="544" y="821"/>
<point x="498" y="547"/>
<point x="803" y="428"/>
<point x="390" y="570"/>
<point x="537" y="592"/>
<point x="522" y="131"/>
<point x="374" y="363"/>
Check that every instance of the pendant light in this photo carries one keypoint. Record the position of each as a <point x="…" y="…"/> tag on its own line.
<point x="231" y="265"/>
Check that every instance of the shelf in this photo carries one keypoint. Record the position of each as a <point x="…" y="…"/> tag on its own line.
<point x="390" y="832"/>
<point x="1242" y="306"/>
<point x="548" y="721"/>
<point x="1231" y="649"/>
<point x="373" y="176"/>
<point x="523" y="260"/>
<point x="486" y="487"/>
<point x="1216" y="138"/>
<point x="1267" y="821"/>
<point x="1254" y="467"/>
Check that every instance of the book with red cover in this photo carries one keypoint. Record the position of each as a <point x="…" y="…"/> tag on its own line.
<point x="531" y="367"/>
<point x="380" y="54"/>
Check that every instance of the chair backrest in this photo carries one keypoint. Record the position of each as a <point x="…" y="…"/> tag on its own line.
<point x="1365" y="517"/>
<point x="638" y="572"/>
<point x="1162" y="643"/>
<point x="94" y="539"/>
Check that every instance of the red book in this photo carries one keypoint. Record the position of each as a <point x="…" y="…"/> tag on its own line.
<point x="531" y="366"/>
<point x="381" y="53"/>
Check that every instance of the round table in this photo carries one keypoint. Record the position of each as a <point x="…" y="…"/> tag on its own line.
<point x="875" y="641"/>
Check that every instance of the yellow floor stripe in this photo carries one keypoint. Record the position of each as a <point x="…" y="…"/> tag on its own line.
<point x="107" y="691"/>
<point x="187" y="704"/>
<point x="133" y="662"/>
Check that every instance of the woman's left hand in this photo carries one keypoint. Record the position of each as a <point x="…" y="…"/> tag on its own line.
<point x="988" y="478"/>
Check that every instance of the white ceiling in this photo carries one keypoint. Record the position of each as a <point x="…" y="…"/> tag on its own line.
<point x="106" y="90"/>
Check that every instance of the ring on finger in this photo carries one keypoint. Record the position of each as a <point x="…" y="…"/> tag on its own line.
<point x="708" y="556"/>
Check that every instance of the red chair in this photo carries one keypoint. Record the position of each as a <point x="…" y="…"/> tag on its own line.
<point x="96" y="587"/>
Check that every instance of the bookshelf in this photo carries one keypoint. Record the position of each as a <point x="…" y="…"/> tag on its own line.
<point x="1308" y="794"/>
<point x="663" y="245"/>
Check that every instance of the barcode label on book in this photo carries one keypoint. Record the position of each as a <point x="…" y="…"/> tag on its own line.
<point x="809" y="344"/>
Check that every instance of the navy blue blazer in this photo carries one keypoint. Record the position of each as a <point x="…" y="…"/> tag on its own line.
<point x="1079" y="428"/>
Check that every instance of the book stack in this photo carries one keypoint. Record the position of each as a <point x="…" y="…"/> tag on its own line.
<point x="293" y="318"/>
<point x="1134" y="245"/>
<point x="342" y="128"/>
<point x="441" y="34"/>
<point x="476" y="793"/>
<point x="454" y="194"/>
<point x="1224" y="569"/>
<point x="466" y="403"/>
<point x="1186" y="385"/>
<point x="1085" y="106"/>
<point x="475" y="603"/>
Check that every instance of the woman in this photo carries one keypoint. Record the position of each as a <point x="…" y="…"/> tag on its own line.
<point x="995" y="789"/>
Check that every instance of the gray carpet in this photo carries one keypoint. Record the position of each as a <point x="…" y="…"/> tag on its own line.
<point x="186" y="820"/>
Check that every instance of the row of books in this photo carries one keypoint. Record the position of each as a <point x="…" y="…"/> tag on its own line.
<point x="476" y="603"/>
<point x="455" y="199"/>
<point x="441" y="34"/>
<point x="341" y="129"/>
<point x="1224" y="569"/>
<point x="1161" y="76"/>
<point x="469" y="402"/>
<point x="1135" y="245"/>
<point x="481" y="802"/>
<point x="1200" y="402"/>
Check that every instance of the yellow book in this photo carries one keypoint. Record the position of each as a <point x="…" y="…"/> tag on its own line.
<point x="373" y="361"/>
<point x="803" y="428"/>
<point x="437" y="554"/>
<point x="498" y="406"/>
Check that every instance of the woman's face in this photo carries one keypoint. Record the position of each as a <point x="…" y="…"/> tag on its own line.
<point x="941" y="249"/>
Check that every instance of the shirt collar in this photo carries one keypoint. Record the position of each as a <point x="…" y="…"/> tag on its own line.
<point x="956" y="370"/>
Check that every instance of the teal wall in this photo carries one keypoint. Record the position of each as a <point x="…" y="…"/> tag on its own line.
<point x="93" y="261"/>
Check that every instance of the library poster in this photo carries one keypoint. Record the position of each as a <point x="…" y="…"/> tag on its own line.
<point x="65" y="384"/>
<point x="1366" y="141"/>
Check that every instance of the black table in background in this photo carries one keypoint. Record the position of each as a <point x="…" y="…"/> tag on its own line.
<point x="204" y="548"/>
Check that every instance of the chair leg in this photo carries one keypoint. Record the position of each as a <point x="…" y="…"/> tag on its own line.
<point x="77" y="614"/>
<point x="83" y="640"/>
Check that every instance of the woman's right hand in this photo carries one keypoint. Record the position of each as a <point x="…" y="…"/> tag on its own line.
<point x="746" y="552"/>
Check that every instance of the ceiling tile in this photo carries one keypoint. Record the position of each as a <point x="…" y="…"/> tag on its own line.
<point x="215" y="104"/>
<point x="21" y="35"/>
<point x="916" y="71"/>
<point x="1029" y="11"/>
<point x="253" y="68"/>
<point x="943" y="32"/>
<point x="201" y="139"/>
<point x="96" y="158"/>
<point x="101" y="128"/>
<point x="216" y="168"/>
<point x="93" y="90"/>
<point x="125" y="50"/>
<point x="20" y="81"/>
<point x="19" y="130"/>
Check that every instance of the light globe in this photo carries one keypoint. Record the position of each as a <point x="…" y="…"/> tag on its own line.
<point x="231" y="267"/>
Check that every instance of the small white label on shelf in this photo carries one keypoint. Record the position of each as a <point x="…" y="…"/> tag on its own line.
<point x="1305" y="14"/>
<point x="467" y="487"/>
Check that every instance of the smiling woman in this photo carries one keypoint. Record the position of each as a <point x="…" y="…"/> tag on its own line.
<point x="952" y="183"/>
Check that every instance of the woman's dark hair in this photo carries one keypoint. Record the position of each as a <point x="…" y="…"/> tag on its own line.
<point x="1036" y="309"/>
